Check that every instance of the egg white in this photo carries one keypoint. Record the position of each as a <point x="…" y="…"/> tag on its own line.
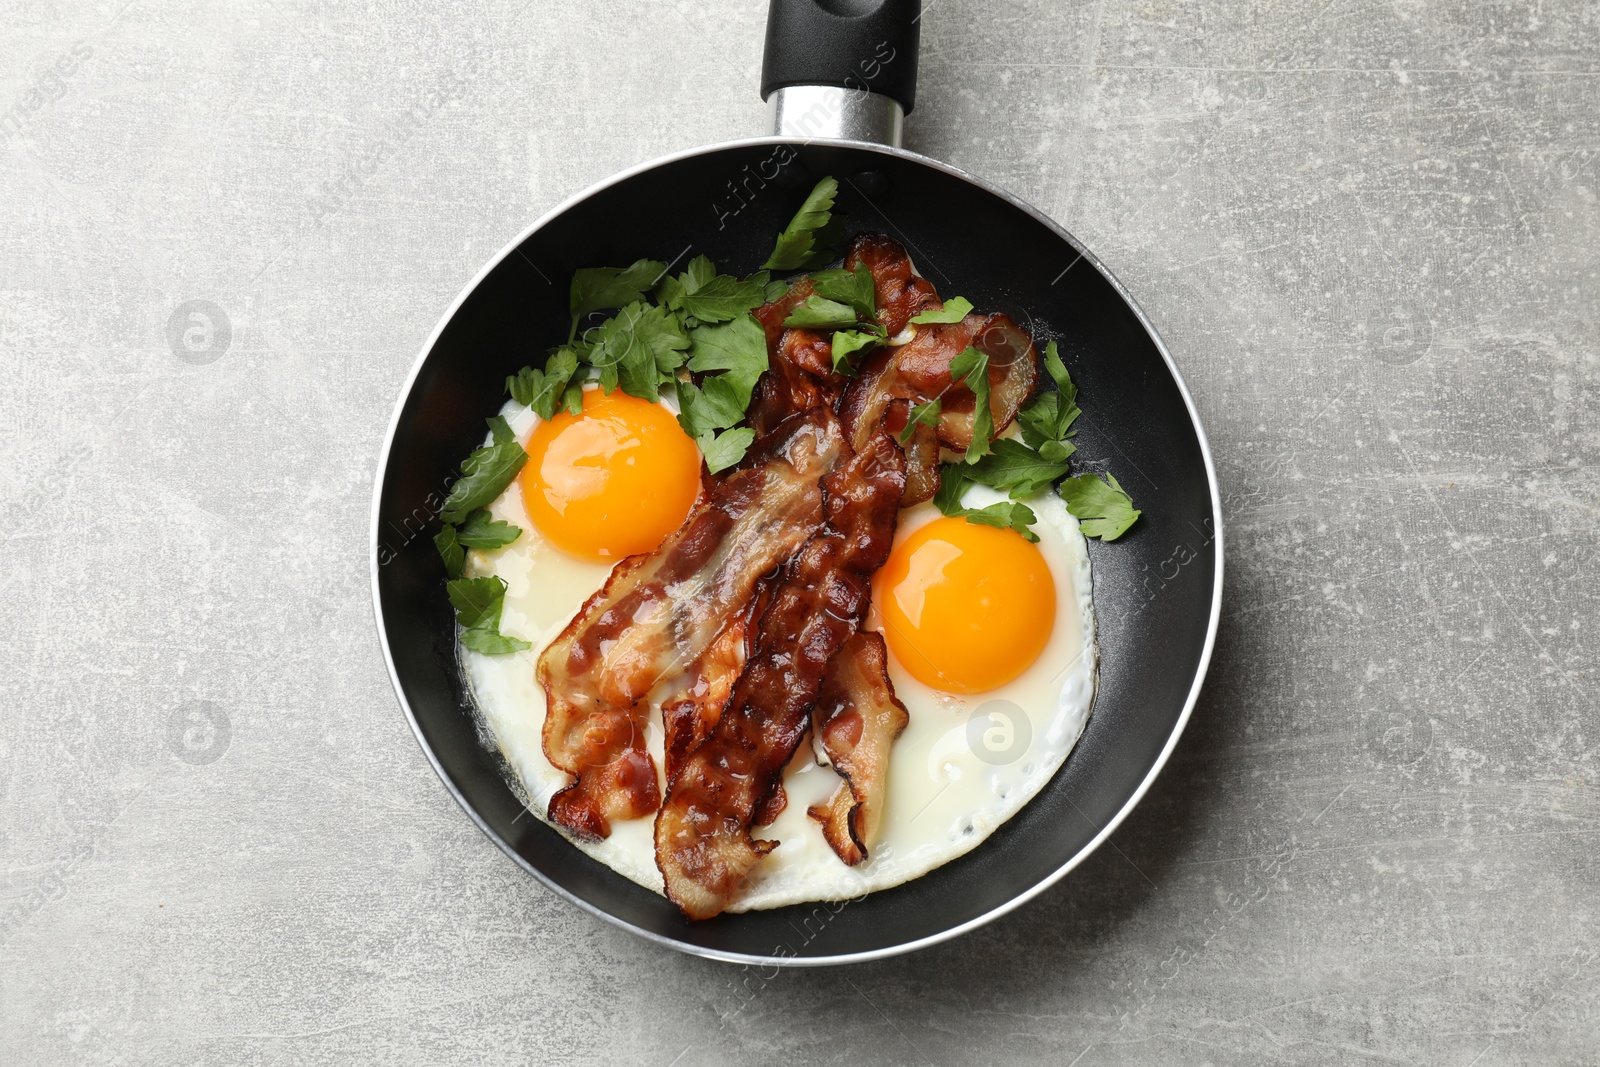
<point x="952" y="780"/>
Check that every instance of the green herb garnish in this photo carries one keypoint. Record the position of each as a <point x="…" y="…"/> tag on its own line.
<point x="478" y="603"/>
<point x="852" y="287"/>
<point x="710" y="406"/>
<point x="1103" y="510"/>
<point x="972" y="368"/>
<point x="1018" y="469"/>
<point x="725" y="449"/>
<point x="485" y="473"/>
<point x="450" y="550"/>
<point x="953" y="483"/>
<point x="706" y="296"/>
<point x="955" y="309"/>
<point x="795" y="247"/>
<point x="924" y="414"/>
<point x="846" y="343"/>
<point x="483" y="531"/>
<point x="817" y="312"/>
<point x="739" y="350"/>
<point x="1007" y="514"/>
<point x="478" y="531"/>
<point x="1048" y="419"/>
<point x="544" y="390"/>
<point x="598" y="288"/>
<point x="954" y="480"/>
<point x="638" y="349"/>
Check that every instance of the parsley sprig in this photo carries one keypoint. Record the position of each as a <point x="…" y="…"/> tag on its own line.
<point x="478" y="603"/>
<point x="797" y="246"/>
<point x="484" y="476"/>
<point x="485" y="473"/>
<point x="955" y="309"/>
<point x="692" y="334"/>
<point x="1024" y="469"/>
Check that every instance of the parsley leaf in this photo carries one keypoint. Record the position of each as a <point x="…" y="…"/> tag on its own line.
<point x="478" y="603"/>
<point x="849" y="287"/>
<point x="955" y="309"/>
<point x="723" y="298"/>
<point x="450" y="550"/>
<point x="638" y="348"/>
<point x="482" y="531"/>
<point x="953" y="482"/>
<point x="726" y="448"/>
<point x="738" y="347"/>
<point x="817" y="312"/>
<point x="703" y="410"/>
<point x="706" y="296"/>
<point x="572" y="397"/>
<point x="925" y="414"/>
<point x="1059" y="375"/>
<point x="598" y="288"/>
<point x="972" y="367"/>
<point x="542" y="390"/>
<point x="954" y="478"/>
<point x="795" y="245"/>
<point x="1015" y="467"/>
<point x="1049" y="418"/>
<point x="845" y="345"/>
<point x="1103" y="510"/>
<point x="485" y="473"/>
<point x="699" y="271"/>
<point x="1005" y="514"/>
<point x="492" y="642"/>
<point x="1055" y="451"/>
<point x="739" y="350"/>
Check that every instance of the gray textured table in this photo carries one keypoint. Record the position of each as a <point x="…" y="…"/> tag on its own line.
<point x="1369" y="235"/>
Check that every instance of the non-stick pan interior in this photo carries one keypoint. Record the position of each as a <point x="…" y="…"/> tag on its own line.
<point x="1153" y="589"/>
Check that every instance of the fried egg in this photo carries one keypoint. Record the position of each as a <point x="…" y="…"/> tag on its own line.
<point x="611" y="481"/>
<point x="991" y="642"/>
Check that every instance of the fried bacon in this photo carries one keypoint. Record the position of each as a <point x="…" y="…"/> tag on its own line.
<point x="857" y="718"/>
<point x="894" y="378"/>
<point x="688" y="717"/>
<point x="800" y="365"/>
<point x="920" y="370"/>
<point x="922" y="453"/>
<point x="799" y="372"/>
<point x="703" y="843"/>
<point x="771" y="314"/>
<point x="659" y="614"/>
<point x="900" y="293"/>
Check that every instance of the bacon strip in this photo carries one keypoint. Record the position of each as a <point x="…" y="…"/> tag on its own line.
<point x="688" y="718"/>
<point x="799" y="372"/>
<point x="920" y="370"/>
<point x="857" y="718"/>
<point x="922" y="453"/>
<point x="900" y="294"/>
<point x="659" y="614"/>
<point x="894" y="378"/>
<point x="703" y="843"/>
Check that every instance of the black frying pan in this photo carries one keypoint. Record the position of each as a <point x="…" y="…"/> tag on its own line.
<point x="1157" y="591"/>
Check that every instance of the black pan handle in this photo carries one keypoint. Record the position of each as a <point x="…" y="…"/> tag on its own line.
<point x="868" y="45"/>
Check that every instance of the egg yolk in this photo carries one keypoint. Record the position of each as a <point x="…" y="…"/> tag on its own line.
<point x="966" y="608"/>
<point x="611" y="481"/>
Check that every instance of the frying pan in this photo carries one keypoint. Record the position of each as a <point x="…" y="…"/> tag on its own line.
<point x="839" y="76"/>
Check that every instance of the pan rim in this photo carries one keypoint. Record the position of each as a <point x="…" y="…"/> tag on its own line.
<point x="706" y="952"/>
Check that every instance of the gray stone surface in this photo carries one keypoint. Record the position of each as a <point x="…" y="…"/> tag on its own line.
<point x="1368" y="232"/>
